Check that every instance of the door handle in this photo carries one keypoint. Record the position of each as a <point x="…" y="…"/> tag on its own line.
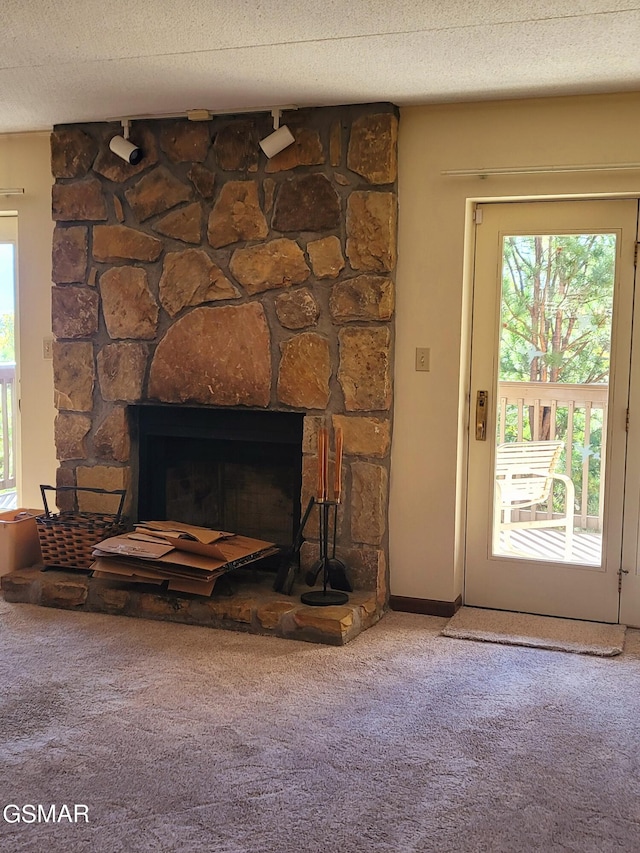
<point x="482" y="400"/>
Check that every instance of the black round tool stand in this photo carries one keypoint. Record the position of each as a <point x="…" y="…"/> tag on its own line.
<point x="324" y="597"/>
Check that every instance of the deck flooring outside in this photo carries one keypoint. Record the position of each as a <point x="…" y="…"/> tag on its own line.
<point x="8" y="500"/>
<point x="544" y="544"/>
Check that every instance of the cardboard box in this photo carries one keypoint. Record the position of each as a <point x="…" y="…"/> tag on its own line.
<point x="19" y="543"/>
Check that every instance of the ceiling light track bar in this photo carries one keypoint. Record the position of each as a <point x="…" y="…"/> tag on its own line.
<point x="204" y="114"/>
<point x="539" y="170"/>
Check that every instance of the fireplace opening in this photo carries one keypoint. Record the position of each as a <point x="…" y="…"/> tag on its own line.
<point x="234" y="470"/>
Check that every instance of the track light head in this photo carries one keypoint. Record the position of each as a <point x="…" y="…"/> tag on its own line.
<point x="280" y="139"/>
<point x="123" y="148"/>
<point x="129" y="152"/>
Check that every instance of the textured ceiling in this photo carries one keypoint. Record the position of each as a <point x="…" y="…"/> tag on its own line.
<point x="92" y="60"/>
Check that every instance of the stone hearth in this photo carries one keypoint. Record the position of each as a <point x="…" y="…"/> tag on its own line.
<point x="209" y="276"/>
<point x="245" y="601"/>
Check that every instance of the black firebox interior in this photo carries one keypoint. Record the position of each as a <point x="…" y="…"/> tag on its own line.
<point x="234" y="470"/>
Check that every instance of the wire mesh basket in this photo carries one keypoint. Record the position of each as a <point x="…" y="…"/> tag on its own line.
<point x="67" y="538"/>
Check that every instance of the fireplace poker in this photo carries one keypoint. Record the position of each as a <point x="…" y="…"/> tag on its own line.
<point x="322" y="493"/>
<point x="323" y="466"/>
<point x="336" y="568"/>
<point x="312" y="575"/>
<point x="290" y="563"/>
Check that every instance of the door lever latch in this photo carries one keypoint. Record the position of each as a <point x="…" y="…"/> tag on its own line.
<point x="482" y="400"/>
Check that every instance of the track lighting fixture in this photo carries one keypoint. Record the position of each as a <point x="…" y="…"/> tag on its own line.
<point x="272" y="144"/>
<point x="280" y="139"/>
<point x="121" y="146"/>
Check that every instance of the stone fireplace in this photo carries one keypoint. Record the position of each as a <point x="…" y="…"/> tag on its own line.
<point x="209" y="278"/>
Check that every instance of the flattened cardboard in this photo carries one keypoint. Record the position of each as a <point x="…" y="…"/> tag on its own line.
<point x="177" y="529"/>
<point x="227" y="549"/>
<point x="121" y="568"/>
<point x="116" y="576"/>
<point x="242" y="546"/>
<point x="120" y="572"/>
<point x="125" y="547"/>
<point x="143" y="570"/>
<point x="212" y="550"/>
<point x="192" y="561"/>
<point x="156" y="568"/>
<point x="187" y="564"/>
<point x="192" y="586"/>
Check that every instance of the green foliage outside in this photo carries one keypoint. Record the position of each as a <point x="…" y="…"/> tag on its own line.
<point x="556" y="316"/>
<point x="557" y="297"/>
<point x="7" y="344"/>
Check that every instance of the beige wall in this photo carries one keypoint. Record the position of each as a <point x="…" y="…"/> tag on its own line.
<point x="25" y="162"/>
<point x="427" y="479"/>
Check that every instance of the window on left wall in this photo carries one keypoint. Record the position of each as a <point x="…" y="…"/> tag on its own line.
<point x="8" y="397"/>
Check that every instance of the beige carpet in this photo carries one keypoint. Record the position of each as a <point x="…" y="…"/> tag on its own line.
<point x="182" y="739"/>
<point x="542" y="632"/>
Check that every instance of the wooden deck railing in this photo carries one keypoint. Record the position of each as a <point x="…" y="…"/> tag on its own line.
<point x="532" y="408"/>
<point x="8" y="406"/>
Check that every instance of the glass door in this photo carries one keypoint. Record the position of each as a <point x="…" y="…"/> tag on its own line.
<point x="553" y="296"/>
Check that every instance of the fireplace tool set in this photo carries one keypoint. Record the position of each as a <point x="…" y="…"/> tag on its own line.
<point x="333" y="571"/>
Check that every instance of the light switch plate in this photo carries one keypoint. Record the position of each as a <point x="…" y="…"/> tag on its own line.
<point x="423" y="358"/>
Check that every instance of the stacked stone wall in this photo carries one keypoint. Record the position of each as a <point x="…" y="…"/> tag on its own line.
<point x="208" y="275"/>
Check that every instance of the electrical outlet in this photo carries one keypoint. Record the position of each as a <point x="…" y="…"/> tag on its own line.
<point x="47" y="347"/>
<point x="423" y="358"/>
